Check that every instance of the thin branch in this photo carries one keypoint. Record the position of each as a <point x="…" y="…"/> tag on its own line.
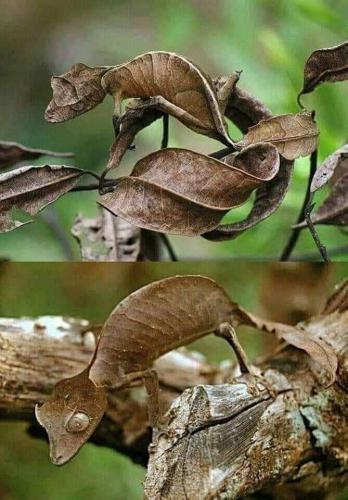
<point x="93" y="174"/>
<point x="88" y="187"/>
<point x="286" y="254"/>
<point x="169" y="247"/>
<point x="163" y="237"/>
<point x="93" y="187"/>
<point x="315" y="236"/>
<point x="165" y="137"/>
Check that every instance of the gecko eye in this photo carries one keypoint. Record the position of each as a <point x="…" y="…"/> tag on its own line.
<point x="77" y="423"/>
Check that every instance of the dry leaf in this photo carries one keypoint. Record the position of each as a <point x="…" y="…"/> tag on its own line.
<point x="334" y="210"/>
<point x="12" y="153"/>
<point x="334" y="166"/>
<point x="75" y="92"/>
<point x="107" y="238"/>
<point x="325" y="65"/>
<point x="30" y="189"/>
<point x="293" y="135"/>
<point x="318" y="350"/>
<point x="184" y="90"/>
<point x="154" y="320"/>
<point x="244" y="110"/>
<point x="268" y="199"/>
<point x="182" y="192"/>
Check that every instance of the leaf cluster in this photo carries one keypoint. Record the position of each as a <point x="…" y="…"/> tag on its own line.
<point x="173" y="190"/>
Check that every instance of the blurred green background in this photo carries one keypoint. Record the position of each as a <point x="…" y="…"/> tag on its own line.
<point x="288" y="292"/>
<point x="269" y="40"/>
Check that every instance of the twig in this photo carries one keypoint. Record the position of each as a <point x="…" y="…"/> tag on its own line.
<point x="164" y="238"/>
<point x="88" y="187"/>
<point x="315" y="236"/>
<point x="168" y="246"/>
<point x="285" y="256"/>
<point x="165" y="137"/>
<point x="222" y="153"/>
<point x="93" y="187"/>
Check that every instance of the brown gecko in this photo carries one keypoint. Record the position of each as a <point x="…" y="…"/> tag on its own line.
<point x="150" y="322"/>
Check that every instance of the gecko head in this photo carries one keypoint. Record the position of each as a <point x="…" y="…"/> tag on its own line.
<point x="71" y="415"/>
<point x="75" y="92"/>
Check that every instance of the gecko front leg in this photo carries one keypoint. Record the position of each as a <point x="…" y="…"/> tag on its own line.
<point x="227" y="332"/>
<point x="150" y="379"/>
<point x="251" y="374"/>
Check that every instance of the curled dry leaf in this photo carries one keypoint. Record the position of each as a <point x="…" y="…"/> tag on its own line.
<point x="334" y="166"/>
<point x="30" y="189"/>
<point x="334" y="210"/>
<point x="154" y="320"/>
<point x="182" y="192"/>
<point x="75" y="92"/>
<point x="293" y="135"/>
<point x="318" y="350"/>
<point x="268" y="199"/>
<point x="12" y="153"/>
<point x="107" y="238"/>
<point x="245" y="110"/>
<point x="325" y="65"/>
<point x="175" y="85"/>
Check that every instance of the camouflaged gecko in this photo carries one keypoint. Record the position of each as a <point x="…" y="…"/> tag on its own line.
<point x="165" y="81"/>
<point x="148" y="323"/>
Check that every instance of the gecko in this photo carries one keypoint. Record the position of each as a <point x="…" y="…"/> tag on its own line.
<point x="150" y="322"/>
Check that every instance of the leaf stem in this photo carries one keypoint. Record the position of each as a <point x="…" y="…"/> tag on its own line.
<point x="222" y="153"/>
<point x="289" y="247"/>
<point x="93" y="174"/>
<point x="299" y="100"/>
